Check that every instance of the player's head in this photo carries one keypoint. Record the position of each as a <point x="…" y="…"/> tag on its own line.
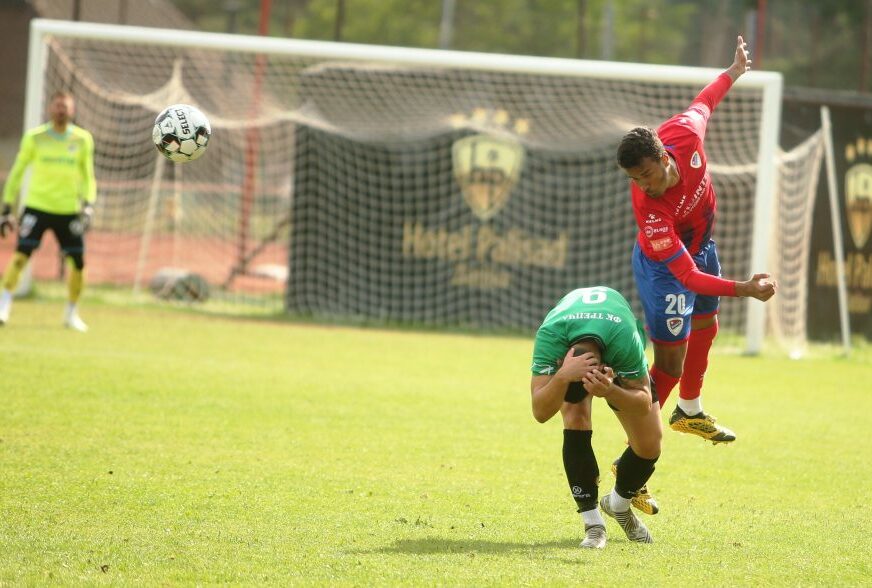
<point x="61" y="108"/>
<point x="642" y="157"/>
<point x="588" y="345"/>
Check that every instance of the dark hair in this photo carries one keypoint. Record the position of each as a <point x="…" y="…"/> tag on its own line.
<point x="596" y="341"/>
<point x="638" y="144"/>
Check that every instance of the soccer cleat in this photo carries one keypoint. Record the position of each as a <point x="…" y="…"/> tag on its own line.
<point x="74" y="322"/>
<point x="634" y="528"/>
<point x="594" y="537"/>
<point x="5" y="306"/>
<point x="701" y="425"/>
<point x="643" y="500"/>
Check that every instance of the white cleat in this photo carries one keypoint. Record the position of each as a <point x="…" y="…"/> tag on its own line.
<point x="74" y="322"/>
<point x="634" y="528"/>
<point x="5" y="307"/>
<point x="594" y="537"/>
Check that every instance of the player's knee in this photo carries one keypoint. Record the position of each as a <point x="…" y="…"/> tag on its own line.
<point x="705" y="322"/>
<point x="648" y="447"/>
<point x="576" y="415"/>
<point x="669" y="359"/>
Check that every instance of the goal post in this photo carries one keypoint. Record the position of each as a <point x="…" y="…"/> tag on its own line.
<point x="394" y="184"/>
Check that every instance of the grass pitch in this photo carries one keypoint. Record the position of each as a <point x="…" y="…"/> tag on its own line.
<point x="166" y="448"/>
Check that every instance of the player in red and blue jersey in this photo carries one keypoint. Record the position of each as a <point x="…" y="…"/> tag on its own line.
<point x="675" y="260"/>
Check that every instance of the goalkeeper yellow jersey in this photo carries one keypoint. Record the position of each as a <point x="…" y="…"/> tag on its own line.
<point x="62" y="170"/>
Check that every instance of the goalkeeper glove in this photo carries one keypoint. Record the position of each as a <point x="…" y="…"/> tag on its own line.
<point x="7" y="221"/>
<point x="81" y="224"/>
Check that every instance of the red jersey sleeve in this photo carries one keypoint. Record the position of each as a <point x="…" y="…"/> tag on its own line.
<point x="697" y="115"/>
<point x="683" y="268"/>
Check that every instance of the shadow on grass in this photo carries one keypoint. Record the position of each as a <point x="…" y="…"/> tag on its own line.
<point x="437" y="545"/>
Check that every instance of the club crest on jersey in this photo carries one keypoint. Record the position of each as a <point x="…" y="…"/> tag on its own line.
<point x="674" y="324"/>
<point x="695" y="160"/>
<point x="487" y="166"/>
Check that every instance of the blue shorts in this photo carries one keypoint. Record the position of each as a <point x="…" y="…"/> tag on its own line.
<point x="668" y="304"/>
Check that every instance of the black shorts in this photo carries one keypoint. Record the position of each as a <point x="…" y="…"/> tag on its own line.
<point x="34" y="223"/>
<point x="575" y="393"/>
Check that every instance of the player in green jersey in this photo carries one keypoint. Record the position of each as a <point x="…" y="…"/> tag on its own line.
<point x="60" y="197"/>
<point x="590" y="345"/>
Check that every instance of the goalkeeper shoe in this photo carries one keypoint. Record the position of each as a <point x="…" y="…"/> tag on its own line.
<point x="594" y="537"/>
<point x="701" y="425"/>
<point x="73" y="321"/>
<point x="634" y="528"/>
<point x="643" y="500"/>
<point x="5" y="306"/>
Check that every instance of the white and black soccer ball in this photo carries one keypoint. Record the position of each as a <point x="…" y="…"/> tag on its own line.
<point x="181" y="132"/>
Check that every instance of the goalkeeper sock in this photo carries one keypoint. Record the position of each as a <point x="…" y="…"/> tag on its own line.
<point x="13" y="270"/>
<point x="75" y="283"/>
<point x="582" y="470"/>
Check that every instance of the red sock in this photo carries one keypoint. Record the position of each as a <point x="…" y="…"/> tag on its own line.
<point x="696" y="361"/>
<point x="663" y="383"/>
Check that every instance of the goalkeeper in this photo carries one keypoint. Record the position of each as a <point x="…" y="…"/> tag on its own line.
<point x="60" y="197"/>
<point x="590" y="345"/>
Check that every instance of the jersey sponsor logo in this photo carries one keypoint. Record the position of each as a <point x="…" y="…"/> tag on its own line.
<point x="661" y="244"/>
<point x="674" y="324"/>
<point x="695" y="160"/>
<point x="680" y="204"/>
<point x="651" y="231"/>
<point x="652" y="218"/>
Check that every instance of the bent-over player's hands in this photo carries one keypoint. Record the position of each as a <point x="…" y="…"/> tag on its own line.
<point x="599" y="381"/>
<point x="759" y="287"/>
<point x="574" y="367"/>
<point x="7" y="221"/>
<point x="741" y="62"/>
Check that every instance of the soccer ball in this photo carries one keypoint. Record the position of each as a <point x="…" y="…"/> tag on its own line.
<point x="181" y="132"/>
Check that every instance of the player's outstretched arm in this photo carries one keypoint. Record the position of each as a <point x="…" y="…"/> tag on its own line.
<point x="741" y="62"/>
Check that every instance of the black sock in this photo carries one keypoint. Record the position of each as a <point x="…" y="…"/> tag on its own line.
<point x="633" y="473"/>
<point x="582" y="471"/>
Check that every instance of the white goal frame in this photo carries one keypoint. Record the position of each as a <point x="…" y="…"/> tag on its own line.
<point x="770" y="83"/>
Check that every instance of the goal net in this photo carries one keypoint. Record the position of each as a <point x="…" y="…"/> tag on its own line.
<point x="390" y="185"/>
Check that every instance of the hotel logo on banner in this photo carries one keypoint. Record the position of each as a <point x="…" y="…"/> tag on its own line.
<point x="488" y="165"/>
<point x="858" y="190"/>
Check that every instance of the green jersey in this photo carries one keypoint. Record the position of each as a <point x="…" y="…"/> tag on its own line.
<point x="63" y="170"/>
<point x="597" y="313"/>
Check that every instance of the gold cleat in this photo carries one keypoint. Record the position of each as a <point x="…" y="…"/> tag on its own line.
<point x="643" y="500"/>
<point x="701" y="425"/>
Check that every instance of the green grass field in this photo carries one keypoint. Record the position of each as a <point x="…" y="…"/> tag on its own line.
<point x="170" y="448"/>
